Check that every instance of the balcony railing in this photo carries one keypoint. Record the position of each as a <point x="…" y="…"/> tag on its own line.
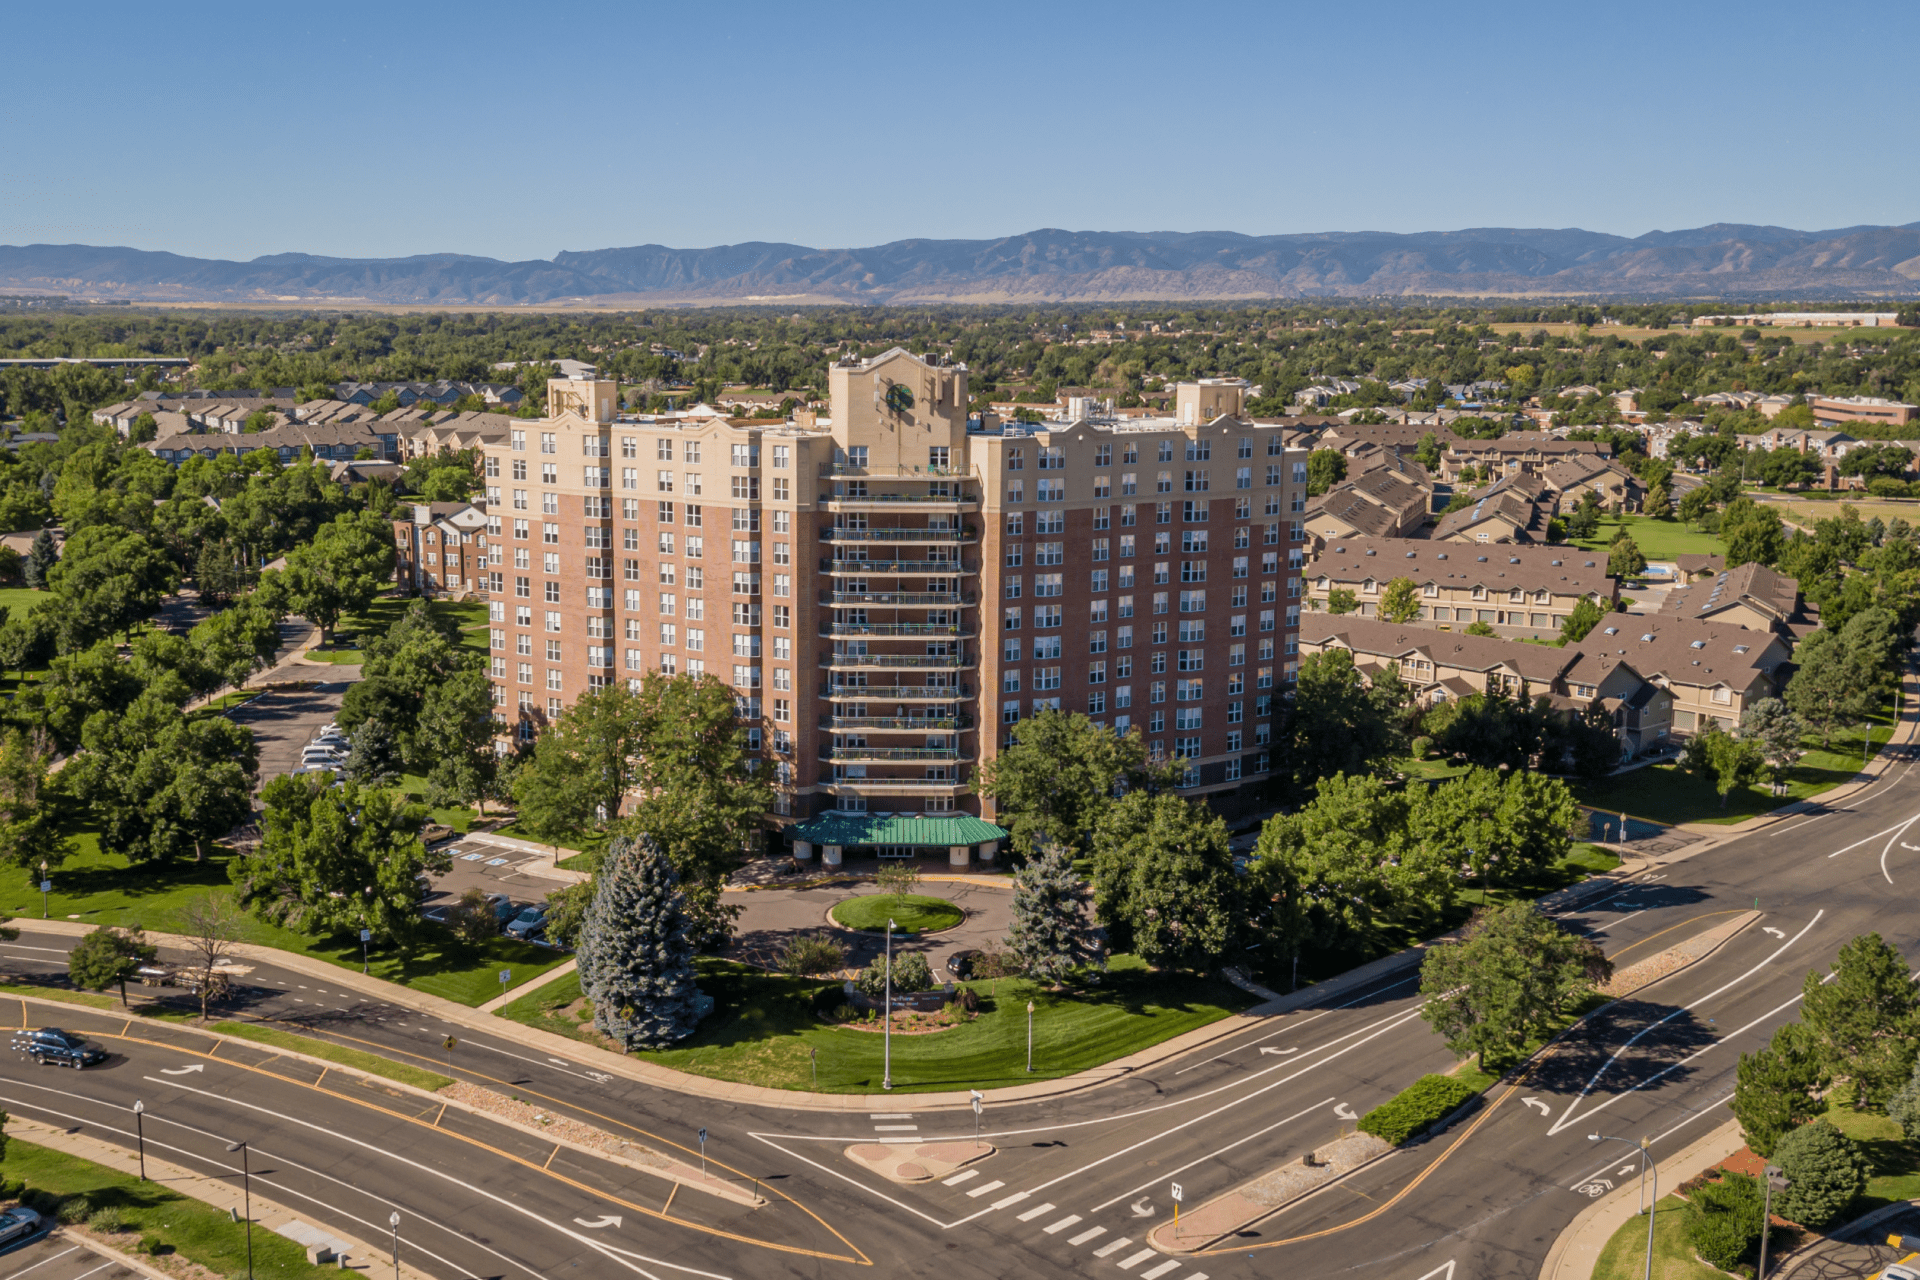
<point x="896" y="535"/>
<point x="950" y="599"/>
<point x="884" y="754"/>
<point x="882" y="568"/>
<point x="931" y="662"/>
<point x="939" y="786"/>
<point x="898" y="693"/>
<point x="902" y="499"/>
<point x="910" y="724"/>
<point x="899" y="629"/>
<point x="896" y="472"/>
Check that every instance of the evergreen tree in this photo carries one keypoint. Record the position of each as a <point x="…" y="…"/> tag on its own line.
<point x="371" y="761"/>
<point x="1774" y="1093"/>
<point x="1826" y="1171"/>
<point x="1865" y="1018"/>
<point x="1905" y="1106"/>
<point x="41" y="556"/>
<point x="636" y="949"/>
<point x="1051" y="934"/>
<point x="1585" y="617"/>
<point x="1777" y="730"/>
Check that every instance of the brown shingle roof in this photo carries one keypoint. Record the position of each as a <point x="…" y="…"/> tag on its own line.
<point x="1772" y="593"/>
<point x="1562" y="570"/>
<point x="1683" y="650"/>
<point x="1538" y="664"/>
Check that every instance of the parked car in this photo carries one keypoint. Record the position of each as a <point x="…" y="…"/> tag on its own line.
<point x="17" y="1223"/>
<point x="503" y="908"/>
<point x="62" y="1048"/>
<point x="531" y="920"/>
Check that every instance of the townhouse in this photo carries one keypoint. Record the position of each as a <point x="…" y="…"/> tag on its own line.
<point x="1752" y="597"/>
<point x="1612" y="485"/>
<point x="1714" y="671"/>
<point x="1516" y="453"/>
<point x="1380" y="503"/>
<point x="1516" y="509"/>
<point x="1517" y="590"/>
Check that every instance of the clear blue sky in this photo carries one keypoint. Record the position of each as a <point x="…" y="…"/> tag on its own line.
<point x="515" y="131"/>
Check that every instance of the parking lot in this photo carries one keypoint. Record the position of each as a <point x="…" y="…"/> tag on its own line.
<point x="284" y="719"/>
<point x="491" y="868"/>
<point x="56" y="1257"/>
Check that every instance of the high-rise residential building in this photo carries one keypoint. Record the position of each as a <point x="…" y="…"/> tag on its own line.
<point x="892" y="589"/>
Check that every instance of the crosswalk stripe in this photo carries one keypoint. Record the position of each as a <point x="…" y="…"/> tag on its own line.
<point x="985" y="1187"/>
<point x="1085" y="1236"/>
<point x="1063" y="1224"/>
<point x="896" y="1128"/>
<point x="1131" y="1261"/>
<point x="960" y="1177"/>
<point x="1160" y="1270"/>
<point x="1015" y="1198"/>
<point x="1031" y="1214"/>
<point x="1115" y="1247"/>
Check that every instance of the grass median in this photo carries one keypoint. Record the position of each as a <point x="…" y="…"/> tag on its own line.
<point x="910" y="913"/>
<point x="194" y="1230"/>
<point x="763" y="1029"/>
<point x="369" y="1062"/>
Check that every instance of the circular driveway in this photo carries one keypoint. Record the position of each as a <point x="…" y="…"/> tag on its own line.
<point x="771" y="916"/>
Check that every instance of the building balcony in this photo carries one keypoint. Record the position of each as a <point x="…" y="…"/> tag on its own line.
<point x="894" y="568"/>
<point x="898" y="693"/>
<point x="901" y="502"/>
<point x="882" y="661"/>
<point x="896" y="786"/>
<point x="940" y="630"/>
<point x="886" y="755"/>
<point x="892" y="473"/>
<point x="938" y="599"/>
<point x="945" y="537"/>
<point x="901" y="724"/>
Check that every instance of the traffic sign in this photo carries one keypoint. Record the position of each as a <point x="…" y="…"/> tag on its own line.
<point x="506" y="976"/>
<point x="1178" y="1195"/>
<point x="449" y="1044"/>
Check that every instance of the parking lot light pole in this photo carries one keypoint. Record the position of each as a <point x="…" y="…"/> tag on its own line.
<point x="140" y="1135"/>
<point x="246" y="1198"/>
<point x="886" y="1006"/>
<point x="1029" y="1036"/>
<point x="1646" y="1165"/>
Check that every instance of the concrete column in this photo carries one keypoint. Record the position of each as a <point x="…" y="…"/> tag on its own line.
<point x="830" y="855"/>
<point x="957" y="854"/>
<point x="802" y="851"/>
<point x="987" y="849"/>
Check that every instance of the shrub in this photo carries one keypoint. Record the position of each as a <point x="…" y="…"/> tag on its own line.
<point x="153" y="1246"/>
<point x="1826" y="1169"/>
<point x="1421" y="746"/>
<point x="73" y="1209"/>
<point x="1723" y="1218"/>
<point x="1416" y="1108"/>
<point x="810" y="954"/>
<point x="910" y="973"/>
<point x="967" y="998"/>
<point x="108" y="1221"/>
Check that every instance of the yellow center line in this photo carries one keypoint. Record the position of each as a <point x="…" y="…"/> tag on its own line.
<point x="860" y="1258"/>
<point x="1683" y="924"/>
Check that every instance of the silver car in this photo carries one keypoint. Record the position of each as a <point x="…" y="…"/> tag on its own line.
<point x="18" y="1223"/>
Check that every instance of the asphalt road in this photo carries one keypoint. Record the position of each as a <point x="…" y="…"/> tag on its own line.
<point x="1078" y="1181"/>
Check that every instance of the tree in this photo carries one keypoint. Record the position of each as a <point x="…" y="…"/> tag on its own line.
<point x="1427" y="452"/>
<point x="1752" y="533"/>
<point x="1729" y="762"/>
<point x="108" y="580"/>
<point x="1339" y="725"/>
<point x="1585" y="520"/>
<point x="583" y="764"/>
<point x="1506" y="981"/>
<point x="1695" y="503"/>
<point x="1865" y="1018"/>
<point x="567" y="911"/>
<point x="108" y="957"/>
<point x="1624" y="558"/>
<point x="29" y="825"/>
<point x="1342" y="600"/>
<point x="238" y="641"/>
<point x="897" y="877"/>
<point x="809" y="955"/>
<point x="1776" y="1088"/>
<point x="1777" y="731"/>
<point x="1833" y="685"/>
<point x="1401" y="601"/>
<point x="1062" y="774"/>
<point x="472" y="919"/>
<point x="334" y="857"/>
<point x="909" y="971"/>
<point x="1826" y="1171"/>
<point x="372" y="759"/>
<point x="1584" y="617"/>
<point x="340" y="571"/>
<point x="1164" y="883"/>
<point x="42" y="555"/>
<point x="1481" y="627"/>
<point x="1052" y="935"/>
<point x="164" y="786"/>
<point x="635" y="950"/>
<point x="211" y="923"/>
<point x="1904" y="1106"/>
<point x="1659" y="500"/>
<point x="1325" y="469"/>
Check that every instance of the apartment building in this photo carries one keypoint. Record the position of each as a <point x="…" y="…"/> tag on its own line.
<point x="441" y="547"/>
<point x="890" y="590"/>
<point x="1520" y="591"/>
<point x="1378" y="503"/>
<point x="1514" y="510"/>
<point x="1752" y="596"/>
<point x="1516" y="453"/>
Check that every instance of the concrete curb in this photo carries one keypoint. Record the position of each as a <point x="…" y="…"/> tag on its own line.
<point x="1577" y="1249"/>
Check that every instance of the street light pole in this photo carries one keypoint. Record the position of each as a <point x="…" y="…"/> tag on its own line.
<point x="394" y="1222"/>
<point x="1644" y="1146"/>
<point x="1774" y="1178"/>
<point x="246" y="1194"/>
<point x="886" y="1030"/>
<point x="140" y="1135"/>
<point x="1029" y="1036"/>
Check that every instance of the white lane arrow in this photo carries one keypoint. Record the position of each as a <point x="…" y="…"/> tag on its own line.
<point x="1142" y="1208"/>
<point x="1344" y="1111"/>
<point x="1775" y="932"/>
<point x="610" y="1220"/>
<point x="601" y="1076"/>
<point x="1625" y="1169"/>
<point x="1280" y="1052"/>
<point x="1443" y="1273"/>
<point x="1545" y="1110"/>
<point x="1914" y="847"/>
<point x="182" y="1071"/>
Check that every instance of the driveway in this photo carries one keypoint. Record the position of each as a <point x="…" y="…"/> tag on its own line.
<point x="770" y="917"/>
<point x="285" y="717"/>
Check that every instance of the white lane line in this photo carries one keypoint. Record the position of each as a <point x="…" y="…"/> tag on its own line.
<point x="1615" y="1162"/>
<point x="895" y="1128"/>
<point x="1133" y="1260"/>
<point x="546" y="1063"/>
<point x="1063" y="1224"/>
<point x="1588" y="1087"/>
<point x="1114" y="1247"/>
<point x="890" y="1115"/>
<point x="15" y="946"/>
<point x="985" y="1188"/>
<point x="965" y="1175"/>
<point x="1295" y="1026"/>
<point x="1875" y="836"/>
<point x="84" y="1274"/>
<point x="472" y="1188"/>
<point x="1085" y="1236"/>
<point x="1031" y="1214"/>
<point x="1160" y="1270"/>
<point x="1889" y="849"/>
<point x="1796" y="826"/>
<point x="1127" y="1195"/>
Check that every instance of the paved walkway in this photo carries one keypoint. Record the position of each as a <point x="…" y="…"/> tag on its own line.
<point x="1577" y="1250"/>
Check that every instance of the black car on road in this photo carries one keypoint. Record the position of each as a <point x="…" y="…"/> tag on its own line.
<point x="62" y="1048"/>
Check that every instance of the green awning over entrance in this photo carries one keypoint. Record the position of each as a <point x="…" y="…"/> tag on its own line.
<point x="942" y="829"/>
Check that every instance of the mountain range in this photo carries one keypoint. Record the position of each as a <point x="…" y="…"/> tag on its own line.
<point x="1046" y="266"/>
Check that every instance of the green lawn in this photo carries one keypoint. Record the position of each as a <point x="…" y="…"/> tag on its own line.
<point x="349" y="657"/>
<point x="910" y="913"/>
<point x="763" y="1029"/>
<point x="1625" y="1255"/>
<point x="98" y="888"/>
<point x="1658" y="539"/>
<point x="18" y="600"/>
<point x="1896" y="1161"/>
<point x="1666" y="793"/>
<point x="193" y="1229"/>
<point x="469" y="615"/>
